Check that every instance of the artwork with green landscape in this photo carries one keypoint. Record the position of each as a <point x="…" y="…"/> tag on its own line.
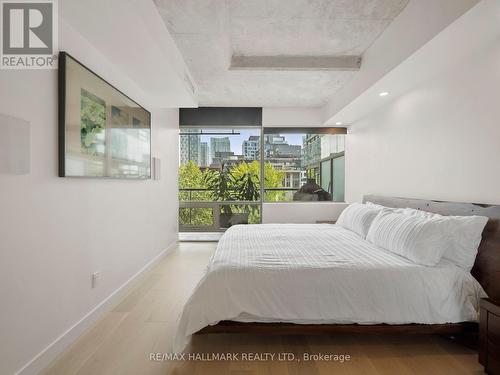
<point x="92" y="122"/>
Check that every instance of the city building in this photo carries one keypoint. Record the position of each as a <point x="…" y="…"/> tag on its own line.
<point x="204" y="154"/>
<point x="219" y="145"/>
<point x="189" y="146"/>
<point x="284" y="157"/>
<point x="283" y="150"/>
<point x="251" y="148"/>
<point x="221" y="158"/>
<point x="317" y="148"/>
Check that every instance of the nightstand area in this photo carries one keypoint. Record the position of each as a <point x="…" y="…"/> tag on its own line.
<point x="489" y="336"/>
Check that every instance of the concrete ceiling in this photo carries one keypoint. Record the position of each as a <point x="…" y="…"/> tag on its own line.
<point x="209" y="32"/>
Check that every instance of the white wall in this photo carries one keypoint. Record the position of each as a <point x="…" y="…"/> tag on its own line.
<point x="300" y="212"/>
<point x="138" y="40"/>
<point x="418" y="23"/>
<point x="291" y="116"/>
<point x="54" y="232"/>
<point x="440" y="140"/>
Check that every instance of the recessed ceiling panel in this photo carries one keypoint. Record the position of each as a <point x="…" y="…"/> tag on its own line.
<point x="210" y="32"/>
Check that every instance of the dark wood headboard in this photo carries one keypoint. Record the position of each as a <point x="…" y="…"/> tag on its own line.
<point x="486" y="269"/>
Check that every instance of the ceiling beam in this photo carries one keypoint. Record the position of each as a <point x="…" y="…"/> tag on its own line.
<point x="290" y="63"/>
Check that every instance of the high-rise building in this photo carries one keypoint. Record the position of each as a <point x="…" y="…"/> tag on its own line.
<point x="276" y="145"/>
<point x="204" y="154"/>
<point x="219" y="145"/>
<point x="274" y="139"/>
<point x="285" y="158"/>
<point x="311" y="151"/>
<point x="318" y="146"/>
<point x="190" y="146"/>
<point x="251" y="148"/>
<point x="332" y="144"/>
<point x="283" y="150"/>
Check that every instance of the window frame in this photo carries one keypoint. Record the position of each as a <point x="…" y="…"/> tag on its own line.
<point x="215" y="227"/>
<point x="301" y="130"/>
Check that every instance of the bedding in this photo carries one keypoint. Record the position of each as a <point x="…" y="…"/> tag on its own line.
<point x="422" y="239"/>
<point x="465" y="236"/>
<point x="316" y="273"/>
<point x="358" y="217"/>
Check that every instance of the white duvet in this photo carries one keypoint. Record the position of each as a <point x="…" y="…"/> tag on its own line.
<point x="317" y="273"/>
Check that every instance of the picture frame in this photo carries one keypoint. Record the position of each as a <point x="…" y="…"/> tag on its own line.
<point x="103" y="133"/>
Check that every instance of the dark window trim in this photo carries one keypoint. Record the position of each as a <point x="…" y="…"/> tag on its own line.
<point x="308" y="130"/>
<point x="220" y="116"/>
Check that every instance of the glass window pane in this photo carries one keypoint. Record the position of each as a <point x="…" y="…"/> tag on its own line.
<point x="220" y="165"/>
<point x="238" y="214"/>
<point x="298" y="166"/>
<point x="326" y="175"/>
<point x="196" y="217"/>
<point x="338" y="179"/>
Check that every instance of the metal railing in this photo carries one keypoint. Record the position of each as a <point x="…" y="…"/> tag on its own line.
<point x="191" y="209"/>
<point x="219" y="221"/>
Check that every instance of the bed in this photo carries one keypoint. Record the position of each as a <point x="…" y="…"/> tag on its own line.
<point x="317" y="278"/>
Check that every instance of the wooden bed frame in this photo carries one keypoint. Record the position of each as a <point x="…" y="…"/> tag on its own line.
<point x="486" y="270"/>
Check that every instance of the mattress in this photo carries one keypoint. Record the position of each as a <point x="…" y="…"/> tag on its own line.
<point x="322" y="274"/>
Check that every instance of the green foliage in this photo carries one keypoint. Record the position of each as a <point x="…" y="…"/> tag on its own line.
<point x="246" y="181"/>
<point x="246" y="188"/>
<point x="191" y="177"/>
<point x="195" y="216"/>
<point x="239" y="183"/>
<point x="222" y="186"/>
<point x="252" y="169"/>
<point x="273" y="178"/>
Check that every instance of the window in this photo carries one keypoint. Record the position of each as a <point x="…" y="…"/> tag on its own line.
<point x="304" y="164"/>
<point x="221" y="167"/>
<point x="219" y="178"/>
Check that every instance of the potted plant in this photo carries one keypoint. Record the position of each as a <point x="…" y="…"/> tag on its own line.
<point x="247" y="189"/>
<point x="221" y="186"/>
<point x="225" y="187"/>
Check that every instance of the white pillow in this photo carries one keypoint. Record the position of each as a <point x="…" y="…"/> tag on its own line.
<point x="465" y="232"/>
<point x="422" y="239"/>
<point x="358" y="218"/>
<point x="379" y="206"/>
<point x="375" y="205"/>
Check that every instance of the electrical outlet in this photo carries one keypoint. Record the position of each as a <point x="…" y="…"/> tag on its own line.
<point x="95" y="278"/>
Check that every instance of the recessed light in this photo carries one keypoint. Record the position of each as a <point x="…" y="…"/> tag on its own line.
<point x="338" y="123"/>
<point x="384" y="93"/>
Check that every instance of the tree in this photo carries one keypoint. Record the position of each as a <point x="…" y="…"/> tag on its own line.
<point x="246" y="177"/>
<point x="240" y="182"/>
<point x="191" y="177"/>
<point x="273" y="178"/>
<point x="222" y="186"/>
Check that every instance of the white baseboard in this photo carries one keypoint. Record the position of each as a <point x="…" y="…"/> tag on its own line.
<point x="47" y="355"/>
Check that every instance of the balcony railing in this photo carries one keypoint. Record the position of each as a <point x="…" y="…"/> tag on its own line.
<point x="198" y="212"/>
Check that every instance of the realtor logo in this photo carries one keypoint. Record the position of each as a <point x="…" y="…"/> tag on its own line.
<point x="29" y="34"/>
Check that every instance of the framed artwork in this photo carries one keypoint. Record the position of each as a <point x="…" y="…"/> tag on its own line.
<point x="102" y="132"/>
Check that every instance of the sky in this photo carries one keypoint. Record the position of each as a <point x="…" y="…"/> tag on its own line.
<point x="237" y="140"/>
